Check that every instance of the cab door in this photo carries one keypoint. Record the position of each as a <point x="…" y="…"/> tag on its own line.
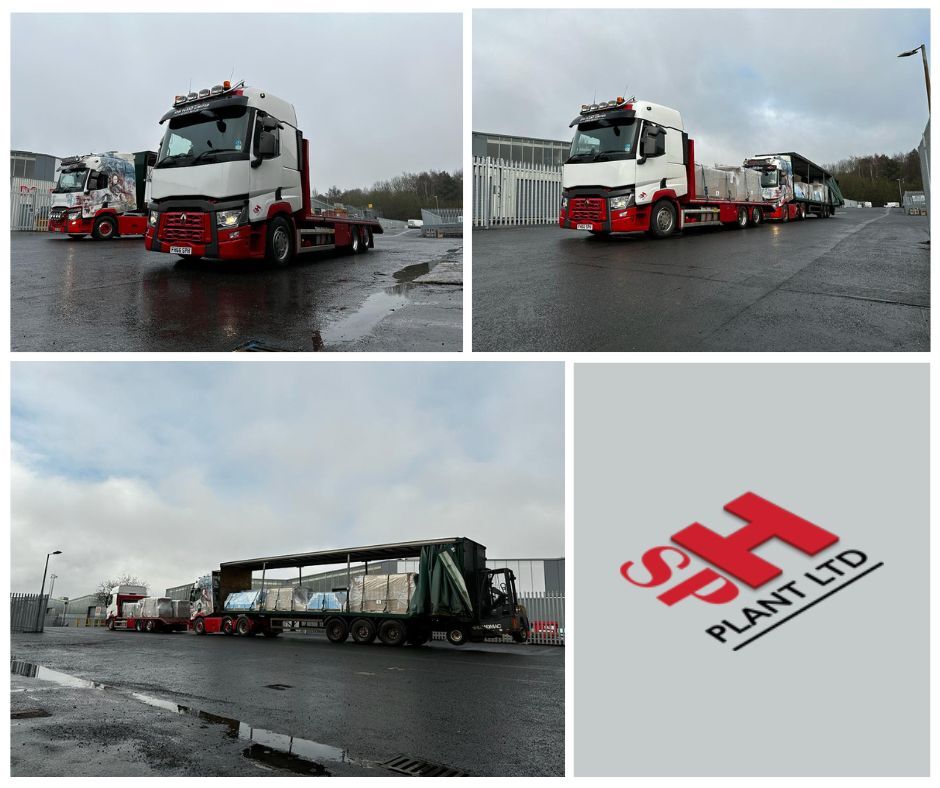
<point x="274" y="175"/>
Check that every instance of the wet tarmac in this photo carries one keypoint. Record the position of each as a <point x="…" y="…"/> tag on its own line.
<point x="93" y="702"/>
<point x="859" y="281"/>
<point x="73" y="295"/>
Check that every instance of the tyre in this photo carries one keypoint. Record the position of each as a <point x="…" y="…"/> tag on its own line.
<point x="741" y="222"/>
<point x="139" y="625"/>
<point x="356" y="245"/>
<point x="363" y="631"/>
<point x="337" y="631"/>
<point x="757" y="216"/>
<point x="279" y="246"/>
<point x="825" y="213"/>
<point x="663" y="219"/>
<point x="242" y="626"/>
<point x="392" y="632"/>
<point x="111" y="624"/>
<point x="151" y="626"/>
<point x="199" y="626"/>
<point x="802" y="213"/>
<point x="785" y="216"/>
<point x="456" y="636"/>
<point x="520" y="637"/>
<point x="364" y="240"/>
<point x="105" y="229"/>
<point x="228" y="625"/>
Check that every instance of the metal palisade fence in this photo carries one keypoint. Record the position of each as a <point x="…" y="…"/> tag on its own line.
<point x="511" y="194"/>
<point x="26" y="612"/>
<point x="30" y="202"/>
<point x="546" y="610"/>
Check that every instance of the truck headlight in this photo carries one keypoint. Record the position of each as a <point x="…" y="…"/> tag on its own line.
<point x="228" y="219"/>
<point x="75" y="213"/>
<point x="152" y="219"/>
<point x="621" y="203"/>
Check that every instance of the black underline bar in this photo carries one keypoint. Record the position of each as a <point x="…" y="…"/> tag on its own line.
<point x="802" y="609"/>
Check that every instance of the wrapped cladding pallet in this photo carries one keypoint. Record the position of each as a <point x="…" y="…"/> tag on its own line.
<point x="286" y="599"/>
<point x="181" y="608"/>
<point x="327" y="600"/>
<point x="244" y="600"/>
<point x="156" y="607"/>
<point x="743" y="184"/>
<point x="381" y="593"/>
<point x="131" y="609"/>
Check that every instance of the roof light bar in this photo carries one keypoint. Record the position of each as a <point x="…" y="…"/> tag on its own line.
<point x="620" y="102"/>
<point x="215" y="90"/>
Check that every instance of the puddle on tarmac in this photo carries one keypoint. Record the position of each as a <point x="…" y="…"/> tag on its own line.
<point x="411" y="272"/>
<point x="376" y="307"/>
<point x="33" y="671"/>
<point x="278" y="750"/>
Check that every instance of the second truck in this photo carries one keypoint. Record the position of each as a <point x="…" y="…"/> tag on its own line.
<point x="232" y="181"/>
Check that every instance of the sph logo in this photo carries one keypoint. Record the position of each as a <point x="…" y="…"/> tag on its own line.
<point x="731" y="554"/>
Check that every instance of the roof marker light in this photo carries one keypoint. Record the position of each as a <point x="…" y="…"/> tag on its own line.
<point x="226" y="85"/>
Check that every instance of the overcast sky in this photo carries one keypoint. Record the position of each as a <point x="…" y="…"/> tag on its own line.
<point x="376" y="94"/>
<point x="165" y="470"/>
<point x="827" y="84"/>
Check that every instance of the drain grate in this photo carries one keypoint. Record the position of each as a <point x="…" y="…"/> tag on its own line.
<point x="28" y="714"/>
<point x="415" y="767"/>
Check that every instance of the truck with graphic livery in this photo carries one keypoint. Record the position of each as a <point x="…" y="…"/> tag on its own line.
<point x="796" y="186"/>
<point x="103" y="195"/>
<point x="453" y="592"/>
<point x="130" y="608"/>
<point x="232" y="181"/>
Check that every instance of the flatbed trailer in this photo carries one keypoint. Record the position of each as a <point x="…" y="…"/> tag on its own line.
<point x="143" y="624"/>
<point x="455" y="593"/>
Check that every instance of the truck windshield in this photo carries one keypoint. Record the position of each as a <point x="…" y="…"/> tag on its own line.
<point x="596" y="142"/>
<point x="207" y="136"/>
<point x="71" y="181"/>
<point x="768" y="179"/>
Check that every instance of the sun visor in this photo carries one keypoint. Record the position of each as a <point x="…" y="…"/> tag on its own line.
<point x="594" y="120"/>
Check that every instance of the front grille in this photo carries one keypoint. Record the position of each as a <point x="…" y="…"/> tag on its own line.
<point x="190" y="226"/>
<point x="587" y="209"/>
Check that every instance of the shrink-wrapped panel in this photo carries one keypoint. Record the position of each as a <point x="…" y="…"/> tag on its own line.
<point x="381" y="593"/>
<point x="181" y="608"/>
<point x="286" y="599"/>
<point x="244" y="600"/>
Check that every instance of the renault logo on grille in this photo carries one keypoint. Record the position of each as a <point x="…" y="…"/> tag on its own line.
<point x="182" y="217"/>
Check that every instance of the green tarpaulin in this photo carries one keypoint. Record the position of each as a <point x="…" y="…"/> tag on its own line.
<point x="440" y="590"/>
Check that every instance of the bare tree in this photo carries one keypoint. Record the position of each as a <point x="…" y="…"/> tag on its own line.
<point x="103" y="591"/>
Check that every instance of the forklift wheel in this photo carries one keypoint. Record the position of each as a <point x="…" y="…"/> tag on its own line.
<point x="456" y="636"/>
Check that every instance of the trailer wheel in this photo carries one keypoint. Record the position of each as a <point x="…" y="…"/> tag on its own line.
<point x="741" y="221"/>
<point x="199" y="626"/>
<point x="663" y="219"/>
<point x="151" y="626"/>
<point x="363" y="631"/>
<point x="392" y="632"/>
<point x="139" y="625"/>
<point x="280" y="242"/>
<point x="228" y="626"/>
<point x="105" y="229"/>
<point x="111" y="624"/>
<point x="242" y="626"/>
<point x="757" y="216"/>
<point x="364" y="240"/>
<point x="337" y="630"/>
<point x="456" y="636"/>
<point x="801" y="214"/>
<point x="356" y="245"/>
<point x="825" y="212"/>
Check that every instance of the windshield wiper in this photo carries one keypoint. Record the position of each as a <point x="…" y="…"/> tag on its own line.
<point x="174" y="157"/>
<point x="591" y="156"/>
<point x="215" y="150"/>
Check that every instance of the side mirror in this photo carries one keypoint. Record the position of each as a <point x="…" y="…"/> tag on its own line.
<point x="648" y="145"/>
<point x="266" y="147"/>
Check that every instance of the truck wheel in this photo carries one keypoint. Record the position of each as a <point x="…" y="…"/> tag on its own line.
<point x="280" y="242"/>
<point x="826" y="212"/>
<point x="199" y="626"/>
<point x="741" y="221"/>
<point x="242" y="626"/>
<point x="520" y="637"/>
<point x="356" y="245"/>
<point x="757" y="216"/>
<point x="392" y="633"/>
<point x="363" y="631"/>
<point x="663" y="219"/>
<point x="111" y="624"/>
<point x="105" y="229"/>
<point x="139" y="625"/>
<point x="337" y="630"/>
<point x="151" y="626"/>
<point x="228" y="625"/>
<point x="456" y="636"/>
<point x="364" y="241"/>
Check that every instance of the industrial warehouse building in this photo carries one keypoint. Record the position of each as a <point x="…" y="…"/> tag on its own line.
<point x="32" y="177"/>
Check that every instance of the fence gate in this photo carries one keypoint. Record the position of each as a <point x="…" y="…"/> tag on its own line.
<point x="510" y="194"/>
<point x="26" y="612"/>
<point x="30" y="202"/>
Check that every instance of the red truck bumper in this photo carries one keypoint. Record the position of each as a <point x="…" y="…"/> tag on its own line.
<point x="630" y="220"/>
<point x="241" y="243"/>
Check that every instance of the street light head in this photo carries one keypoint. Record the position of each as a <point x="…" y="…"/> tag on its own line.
<point x="912" y="52"/>
<point x="56" y="552"/>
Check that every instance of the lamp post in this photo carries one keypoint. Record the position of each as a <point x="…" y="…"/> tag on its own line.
<point x="923" y="51"/>
<point x="42" y="590"/>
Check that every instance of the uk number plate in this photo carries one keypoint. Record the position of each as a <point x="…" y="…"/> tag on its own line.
<point x="181" y="250"/>
<point x="585" y="226"/>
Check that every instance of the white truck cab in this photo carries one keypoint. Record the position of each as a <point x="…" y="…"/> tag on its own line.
<point x="121" y="594"/>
